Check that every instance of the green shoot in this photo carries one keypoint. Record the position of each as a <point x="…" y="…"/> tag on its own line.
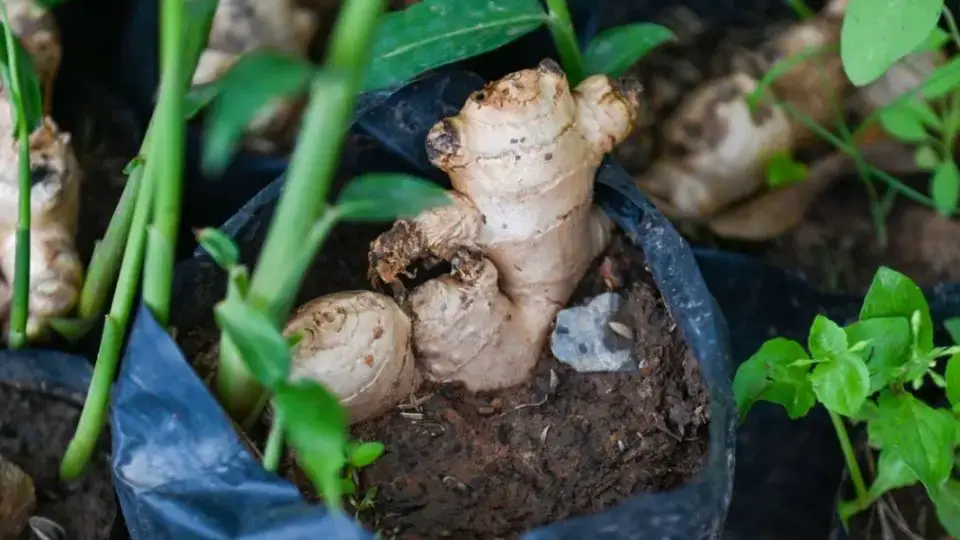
<point x="862" y="374"/>
<point x="561" y="27"/>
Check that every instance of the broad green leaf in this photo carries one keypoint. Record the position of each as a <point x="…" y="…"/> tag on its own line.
<point x="953" y="328"/>
<point x="826" y="339"/>
<point x="614" y="50"/>
<point x="435" y="33"/>
<point x="892" y="473"/>
<point x="875" y="35"/>
<point x="946" y="498"/>
<point x="317" y="431"/>
<point x="771" y="375"/>
<point x="256" y="79"/>
<point x="889" y="347"/>
<point x="783" y="170"/>
<point x="918" y="434"/>
<point x="934" y="42"/>
<point x="222" y="249"/>
<point x="945" y="187"/>
<point x="926" y="158"/>
<point x="364" y="454"/>
<point x="903" y="122"/>
<point x="388" y="196"/>
<point x="261" y="346"/>
<point x="842" y="384"/>
<point x="952" y="378"/>
<point x="893" y="294"/>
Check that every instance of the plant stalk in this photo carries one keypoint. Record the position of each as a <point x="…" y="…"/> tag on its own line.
<point x="274" y="448"/>
<point x="274" y="283"/>
<point x="20" y="309"/>
<point x="565" y="37"/>
<point x="848" y="455"/>
<point x="168" y="158"/>
<point x="92" y="418"/>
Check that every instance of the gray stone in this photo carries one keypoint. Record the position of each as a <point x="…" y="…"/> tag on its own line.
<point x="583" y="338"/>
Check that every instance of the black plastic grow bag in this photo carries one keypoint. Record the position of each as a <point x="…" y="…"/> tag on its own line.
<point x="180" y="468"/>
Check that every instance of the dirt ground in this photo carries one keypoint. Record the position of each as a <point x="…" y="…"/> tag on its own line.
<point x="34" y="432"/>
<point x="562" y="445"/>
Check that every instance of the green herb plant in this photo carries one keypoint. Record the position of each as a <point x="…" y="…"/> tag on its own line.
<point x="863" y="374"/>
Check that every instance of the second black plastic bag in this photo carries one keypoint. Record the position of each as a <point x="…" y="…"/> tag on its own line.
<point x="201" y="482"/>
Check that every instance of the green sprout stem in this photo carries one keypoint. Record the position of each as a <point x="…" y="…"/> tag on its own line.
<point x="275" y="281"/>
<point x="848" y="455"/>
<point x="21" y="278"/>
<point x="561" y="27"/>
<point x="92" y="418"/>
<point x="274" y="448"/>
<point x="169" y="159"/>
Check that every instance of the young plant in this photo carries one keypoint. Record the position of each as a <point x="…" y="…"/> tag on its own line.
<point x="863" y="374"/>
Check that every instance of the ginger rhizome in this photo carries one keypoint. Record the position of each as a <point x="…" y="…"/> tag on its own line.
<point x="56" y="273"/>
<point x="522" y="230"/>
<point x="243" y="26"/>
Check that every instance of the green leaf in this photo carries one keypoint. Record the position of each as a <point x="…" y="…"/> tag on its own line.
<point x="196" y="33"/>
<point x="892" y="473"/>
<point x="435" y="33"/>
<point x="261" y="346"/>
<point x="934" y="42"/>
<point x="783" y="170"/>
<point x="952" y="378"/>
<point x="198" y="98"/>
<point x="222" y="249"/>
<point x="943" y="80"/>
<point x="918" y="434"/>
<point x="771" y="375"/>
<point x="256" y="79"/>
<point x="826" y="339"/>
<point x="842" y="384"/>
<point x="945" y="187"/>
<point x="874" y="36"/>
<point x="946" y="498"/>
<point x="388" y="196"/>
<point x="903" y="122"/>
<point x="614" y="50"/>
<point x="366" y="453"/>
<point x="31" y="92"/>
<point x="317" y="431"/>
<point x="893" y="294"/>
<point x="49" y="4"/>
<point x="926" y="158"/>
<point x="889" y="347"/>
<point x="953" y="328"/>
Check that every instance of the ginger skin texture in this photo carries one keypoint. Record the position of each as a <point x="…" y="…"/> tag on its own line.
<point x="522" y="156"/>
<point x="56" y="273"/>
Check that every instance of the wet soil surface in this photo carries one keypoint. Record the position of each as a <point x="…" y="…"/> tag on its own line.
<point x="836" y="246"/>
<point x="497" y="464"/>
<point x="34" y="432"/>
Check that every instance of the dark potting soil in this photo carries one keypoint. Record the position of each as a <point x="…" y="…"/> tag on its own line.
<point x="34" y="432"/>
<point x="496" y="464"/>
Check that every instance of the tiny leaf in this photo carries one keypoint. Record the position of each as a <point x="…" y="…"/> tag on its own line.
<point x="945" y="187"/>
<point x="222" y="249"/>
<point x="256" y="79"/>
<point x="614" y="50"/>
<point x="943" y="80"/>
<point x="771" y="374"/>
<point x="364" y="454"/>
<point x="893" y="294"/>
<point x="953" y="328"/>
<point x="888" y="349"/>
<point x="317" y="430"/>
<point x="875" y="36"/>
<point x="827" y="339"/>
<point x="842" y="385"/>
<point x="903" y="122"/>
<point x="435" y="33"/>
<point x="918" y="434"/>
<point x="262" y="348"/>
<point x="934" y="42"/>
<point x="926" y="158"/>
<point x="783" y="170"/>
<point x="388" y="196"/>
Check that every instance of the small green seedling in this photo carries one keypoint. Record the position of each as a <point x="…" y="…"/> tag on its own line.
<point x="863" y="373"/>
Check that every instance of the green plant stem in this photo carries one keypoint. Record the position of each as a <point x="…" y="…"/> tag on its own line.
<point x="561" y="27"/>
<point x="21" y="279"/>
<point x="274" y="449"/>
<point x="274" y="283"/>
<point x="168" y="158"/>
<point x="801" y="9"/>
<point x="848" y="454"/>
<point x="92" y="417"/>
